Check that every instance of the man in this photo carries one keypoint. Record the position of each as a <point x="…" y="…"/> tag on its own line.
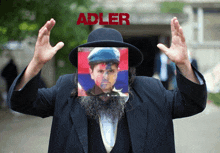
<point x="163" y="69"/>
<point x="104" y="68"/>
<point x="147" y="123"/>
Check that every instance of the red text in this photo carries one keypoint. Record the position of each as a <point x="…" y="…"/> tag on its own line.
<point x="113" y="19"/>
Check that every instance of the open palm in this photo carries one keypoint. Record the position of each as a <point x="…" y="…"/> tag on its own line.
<point x="178" y="49"/>
<point x="43" y="49"/>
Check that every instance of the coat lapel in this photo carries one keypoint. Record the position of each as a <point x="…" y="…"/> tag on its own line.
<point x="137" y="123"/>
<point x="79" y="119"/>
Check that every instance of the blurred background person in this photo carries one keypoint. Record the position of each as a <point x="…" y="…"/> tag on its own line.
<point x="192" y="60"/>
<point x="163" y="69"/>
<point x="9" y="73"/>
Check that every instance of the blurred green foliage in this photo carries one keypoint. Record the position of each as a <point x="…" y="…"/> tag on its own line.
<point x="172" y="7"/>
<point x="21" y="18"/>
<point x="215" y="97"/>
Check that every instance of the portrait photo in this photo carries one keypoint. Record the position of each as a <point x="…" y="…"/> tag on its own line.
<point x="102" y="70"/>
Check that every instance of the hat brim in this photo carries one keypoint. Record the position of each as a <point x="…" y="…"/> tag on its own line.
<point x="135" y="55"/>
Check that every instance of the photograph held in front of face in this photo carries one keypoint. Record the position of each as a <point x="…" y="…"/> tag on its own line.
<point x="105" y="107"/>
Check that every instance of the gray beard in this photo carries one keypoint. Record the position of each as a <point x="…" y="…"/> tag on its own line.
<point x="94" y="105"/>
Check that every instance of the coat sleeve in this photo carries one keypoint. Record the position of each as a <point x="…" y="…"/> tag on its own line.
<point x="31" y="100"/>
<point x="189" y="98"/>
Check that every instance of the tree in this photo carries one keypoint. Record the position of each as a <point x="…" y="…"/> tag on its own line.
<point x="21" y="18"/>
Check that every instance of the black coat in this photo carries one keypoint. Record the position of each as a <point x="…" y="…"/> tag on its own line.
<point x="149" y="113"/>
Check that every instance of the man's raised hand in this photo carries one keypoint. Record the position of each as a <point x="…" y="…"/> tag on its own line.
<point x="43" y="50"/>
<point x="42" y="54"/>
<point x="178" y="49"/>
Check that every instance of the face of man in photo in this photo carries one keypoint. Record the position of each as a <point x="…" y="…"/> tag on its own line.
<point x="105" y="76"/>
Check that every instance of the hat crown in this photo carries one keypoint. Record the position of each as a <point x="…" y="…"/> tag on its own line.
<point x="103" y="34"/>
<point x="107" y="54"/>
<point x="108" y="37"/>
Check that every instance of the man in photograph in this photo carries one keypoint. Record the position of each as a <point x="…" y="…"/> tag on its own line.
<point x="104" y="69"/>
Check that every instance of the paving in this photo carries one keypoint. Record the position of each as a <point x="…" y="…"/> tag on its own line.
<point x="199" y="133"/>
<point x="23" y="133"/>
<point x="29" y="134"/>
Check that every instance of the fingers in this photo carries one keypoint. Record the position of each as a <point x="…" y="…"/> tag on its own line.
<point x="176" y="29"/>
<point x="42" y="32"/>
<point x="49" y="24"/>
<point x="41" y="29"/>
<point x="181" y="34"/>
<point x="163" y="48"/>
<point x="172" y="25"/>
<point x="176" y="25"/>
<point x="179" y="30"/>
<point x="45" y="30"/>
<point x="58" y="46"/>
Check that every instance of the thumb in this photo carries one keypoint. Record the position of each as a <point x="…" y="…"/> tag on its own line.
<point x="58" y="46"/>
<point x="163" y="48"/>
